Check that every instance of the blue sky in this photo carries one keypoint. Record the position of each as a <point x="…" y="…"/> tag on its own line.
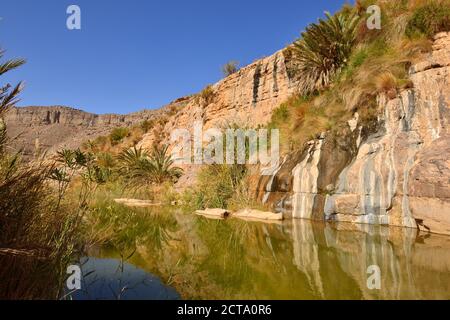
<point x="136" y="54"/>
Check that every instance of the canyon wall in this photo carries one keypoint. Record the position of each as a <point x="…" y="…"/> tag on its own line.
<point x="393" y="172"/>
<point x="52" y="128"/>
<point x="397" y="173"/>
<point x="247" y="98"/>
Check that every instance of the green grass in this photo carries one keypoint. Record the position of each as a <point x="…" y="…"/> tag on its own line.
<point x="118" y="134"/>
<point x="429" y="19"/>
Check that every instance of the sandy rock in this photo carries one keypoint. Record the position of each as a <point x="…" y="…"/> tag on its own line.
<point x="213" y="213"/>
<point x="252" y="214"/>
<point x="137" y="203"/>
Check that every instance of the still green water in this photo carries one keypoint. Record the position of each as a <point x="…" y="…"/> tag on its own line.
<point x="299" y="259"/>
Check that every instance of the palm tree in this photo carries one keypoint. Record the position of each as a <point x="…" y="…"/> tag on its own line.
<point x="134" y="167"/>
<point x="323" y="50"/>
<point x="140" y="168"/>
<point x="162" y="166"/>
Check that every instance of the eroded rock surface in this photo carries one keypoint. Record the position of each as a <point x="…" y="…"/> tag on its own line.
<point x="397" y="175"/>
<point x="52" y="128"/>
<point x="247" y="98"/>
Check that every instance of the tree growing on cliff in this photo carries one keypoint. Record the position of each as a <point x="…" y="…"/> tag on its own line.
<point x="230" y="67"/>
<point x="324" y="49"/>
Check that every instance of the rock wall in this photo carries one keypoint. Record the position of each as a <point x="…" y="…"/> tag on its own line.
<point x="56" y="127"/>
<point x="247" y="97"/>
<point x="398" y="174"/>
<point x="395" y="172"/>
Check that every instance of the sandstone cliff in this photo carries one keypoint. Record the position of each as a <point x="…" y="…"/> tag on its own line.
<point x="247" y="97"/>
<point x="398" y="174"/>
<point x="52" y="128"/>
<point x="395" y="172"/>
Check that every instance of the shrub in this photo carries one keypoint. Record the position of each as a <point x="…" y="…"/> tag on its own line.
<point x="429" y="19"/>
<point x="386" y="82"/>
<point x="206" y="96"/>
<point x="281" y="114"/>
<point x="141" y="169"/>
<point x="106" y="160"/>
<point x="118" y="134"/>
<point x="229" y="68"/>
<point x="146" y="125"/>
<point x="216" y="186"/>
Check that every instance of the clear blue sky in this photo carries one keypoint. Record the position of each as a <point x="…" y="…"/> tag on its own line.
<point x="136" y="54"/>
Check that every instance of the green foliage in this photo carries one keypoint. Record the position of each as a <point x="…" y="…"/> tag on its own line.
<point x="3" y="136"/>
<point x="106" y="160"/>
<point x="324" y="50"/>
<point x="356" y="60"/>
<point x="118" y="134"/>
<point x="281" y="114"/>
<point x="216" y="186"/>
<point x="38" y="229"/>
<point x="8" y="96"/>
<point x="162" y="164"/>
<point x="141" y="169"/>
<point x="134" y="167"/>
<point x="429" y="19"/>
<point x="230" y="67"/>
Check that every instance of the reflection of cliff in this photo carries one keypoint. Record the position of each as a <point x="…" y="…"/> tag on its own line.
<point x="298" y="259"/>
<point x="404" y="271"/>
<point x="376" y="248"/>
<point x="306" y="255"/>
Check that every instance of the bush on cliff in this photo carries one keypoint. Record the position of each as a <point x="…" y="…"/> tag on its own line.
<point x="430" y="19"/>
<point x="205" y="97"/>
<point x="377" y="61"/>
<point x="230" y="67"/>
<point x="118" y="134"/>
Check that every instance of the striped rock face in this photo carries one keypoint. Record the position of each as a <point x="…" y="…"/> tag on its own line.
<point x="397" y="174"/>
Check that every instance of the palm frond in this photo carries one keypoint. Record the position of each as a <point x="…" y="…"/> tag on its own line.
<point x="9" y="98"/>
<point x="139" y="168"/>
<point x="11" y="65"/>
<point x="324" y="50"/>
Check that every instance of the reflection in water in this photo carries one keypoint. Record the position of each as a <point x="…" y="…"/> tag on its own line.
<point x="112" y="279"/>
<point x="300" y="259"/>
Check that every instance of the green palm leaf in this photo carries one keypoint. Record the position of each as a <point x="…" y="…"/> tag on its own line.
<point x="324" y="49"/>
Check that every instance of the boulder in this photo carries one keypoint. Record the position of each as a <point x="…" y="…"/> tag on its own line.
<point x="252" y="214"/>
<point x="213" y="213"/>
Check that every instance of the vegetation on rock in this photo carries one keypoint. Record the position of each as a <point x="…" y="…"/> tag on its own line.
<point x="230" y="67"/>
<point x="431" y="18"/>
<point x="324" y="49"/>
